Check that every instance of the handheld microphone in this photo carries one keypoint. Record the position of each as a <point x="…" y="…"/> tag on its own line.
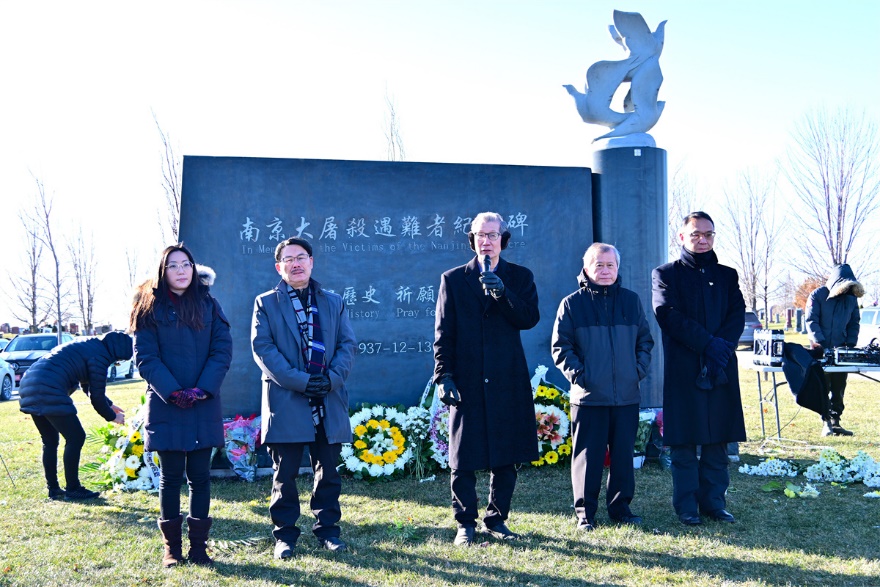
<point x="487" y="266"/>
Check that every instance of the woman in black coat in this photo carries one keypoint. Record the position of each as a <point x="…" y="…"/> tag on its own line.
<point x="45" y="394"/>
<point x="183" y="350"/>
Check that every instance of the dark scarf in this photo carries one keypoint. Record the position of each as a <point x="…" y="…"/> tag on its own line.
<point x="311" y="342"/>
<point x="698" y="260"/>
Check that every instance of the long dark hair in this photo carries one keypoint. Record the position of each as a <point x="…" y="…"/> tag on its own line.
<point x="155" y="290"/>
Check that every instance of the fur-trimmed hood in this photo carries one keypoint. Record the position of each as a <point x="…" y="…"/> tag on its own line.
<point x="206" y="275"/>
<point x="842" y="281"/>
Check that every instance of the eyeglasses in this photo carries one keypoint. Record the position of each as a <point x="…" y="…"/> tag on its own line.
<point x="299" y="259"/>
<point x="695" y="236"/>
<point x="492" y="236"/>
<point x="185" y="266"/>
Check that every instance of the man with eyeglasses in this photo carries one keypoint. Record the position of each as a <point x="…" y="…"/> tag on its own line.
<point x="481" y="373"/>
<point x="304" y="345"/>
<point x="701" y="314"/>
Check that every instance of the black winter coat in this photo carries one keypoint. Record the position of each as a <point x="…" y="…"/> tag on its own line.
<point x="172" y="356"/>
<point x="832" y="313"/>
<point x="694" y="299"/>
<point x="477" y="341"/>
<point x="46" y="386"/>
<point x="602" y="344"/>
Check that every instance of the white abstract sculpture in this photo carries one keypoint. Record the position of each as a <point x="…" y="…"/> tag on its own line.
<point x="641" y="69"/>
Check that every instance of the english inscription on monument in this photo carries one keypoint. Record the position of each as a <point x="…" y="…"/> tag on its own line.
<point x="382" y="234"/>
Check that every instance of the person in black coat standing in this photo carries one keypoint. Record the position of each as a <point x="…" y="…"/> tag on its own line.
<point x="183" y="350"/>
<point x="45" y="394"/>
<point x="602" y="344"/>
<point x="481" y="373"/>
<point x="701" y="314"/>
<point x="833" y="320"/>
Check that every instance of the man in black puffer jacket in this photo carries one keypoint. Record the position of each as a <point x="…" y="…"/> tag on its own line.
<point x="833" y="321"/>
<point x="602" y="344"/>
<point x="45" y="394"/>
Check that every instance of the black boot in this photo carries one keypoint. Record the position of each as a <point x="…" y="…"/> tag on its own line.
<point x="198" y="540"/>
<point x="172" y="538"/>
<point x="57" y="493"/>
<point x="838" y="429"/>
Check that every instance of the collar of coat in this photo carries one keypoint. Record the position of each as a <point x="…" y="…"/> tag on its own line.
<point x="598" y="290"/>
<point x="697" y="260"/>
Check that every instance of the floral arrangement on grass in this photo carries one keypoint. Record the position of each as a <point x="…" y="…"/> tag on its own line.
<point x="438" y="436"/>
<point x="418" y="429"/>
<point x="831" y="468"/>
<point x="552" y="423"/>
<point x="643" y="432"/>
<point x="242" y="436"/>
<point x="380" y="447"/>
<point x="122" y="463"/>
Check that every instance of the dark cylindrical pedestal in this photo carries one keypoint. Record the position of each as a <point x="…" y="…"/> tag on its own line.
<point x="630" y="212"/>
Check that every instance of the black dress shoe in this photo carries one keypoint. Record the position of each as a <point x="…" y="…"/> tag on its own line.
<point x="722" y="516"/>
<point x="464" y="536"/>
<point x="333" y="544"/>
<point x="283" y="550"/>
<point x="502" y="532"/>
<point x="587" y="525"/>
<point x="629" y="518"/>
<point x="690" y="519"/>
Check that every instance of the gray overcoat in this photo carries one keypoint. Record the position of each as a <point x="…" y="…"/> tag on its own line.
<point x="275" y="341"/>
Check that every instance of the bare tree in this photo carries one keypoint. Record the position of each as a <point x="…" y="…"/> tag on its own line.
<point x="131" y="265"/>
<point x="833" y="170"/>
<point x="682" y="201"/>
<point x="43" y="221"/>
<point x="84" y="264"/>
<point x="392" y="130"/>
<point x="29" y="296"/>
<point x="172" y="182"/>
<point x="753" y="235"/>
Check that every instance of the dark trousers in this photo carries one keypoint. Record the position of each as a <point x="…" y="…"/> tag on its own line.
<point x="699" y="485"/>
<point x="284" y="508"/>
<point x="197" y="466"/>
<point x="596" y="429"/>
<point x="50" y="427"/>
<point x="502" y="481"/>
<point x="837" y="382"/>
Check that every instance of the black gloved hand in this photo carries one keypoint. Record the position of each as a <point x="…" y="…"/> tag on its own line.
<point x="492" y="283"/>
<point x="318" y="386"/>
<point x="718" y="351"/>
<point x="447" y="391"/>
<point x="817" y="351"/>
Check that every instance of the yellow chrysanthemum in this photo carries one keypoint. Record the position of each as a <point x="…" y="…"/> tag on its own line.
<point x="132" y="474"/>
<point x="551" y="457"/>
<point x="394" y="429"/>
<point x="564" y="449"/>
<point x="385" y="424"/>
<point x="135" y="436"/>
<point x="552" y="393"/>
<point x="372" y="424"/>
<point x="137" y="450"/>
<point x="360" y="430"/>
<point x="539" y="462"/>
<point x="360" y="444"/>
<point x="389" y="457"/>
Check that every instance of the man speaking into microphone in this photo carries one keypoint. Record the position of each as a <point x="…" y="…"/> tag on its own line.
<point x="481" y="373"/>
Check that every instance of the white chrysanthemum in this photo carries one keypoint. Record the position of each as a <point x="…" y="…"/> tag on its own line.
<point x="353" y="464"/>
<point x="378" y="410"/>
<point x="347" y="451"/>
<point x="122" y="442"/>
<point x="389" y="468"/>
<point x="375" y="470"/>
<point x="809" y="491"/>
<point x="132" y="462"/>
<point x="771" y="467"/>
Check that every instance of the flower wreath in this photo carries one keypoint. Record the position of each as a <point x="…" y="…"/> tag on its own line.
<point x="438" y="435"/>
<point x="380" y="447"/>
<point x="552" y="423"/>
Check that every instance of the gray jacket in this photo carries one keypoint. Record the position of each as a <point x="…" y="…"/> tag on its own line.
<point x="833" y="311"/>
<point x="275" y="341"/>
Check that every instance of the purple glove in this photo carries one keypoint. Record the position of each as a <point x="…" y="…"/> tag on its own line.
<point x="199" y="393"/>
<point x="185" y="398"/>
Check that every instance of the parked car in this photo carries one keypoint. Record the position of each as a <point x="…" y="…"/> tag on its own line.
<point x="7" y="373"/>
<point x="24" y="350"/>
<point x="753" y="323"/>
<point x="121" y="369"/>
<point x="869" y="326"/>
<point x="3" y="343"/>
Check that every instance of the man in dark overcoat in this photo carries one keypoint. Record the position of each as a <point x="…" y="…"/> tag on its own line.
<point x="701" y="314"/>
<point x="481" y="373"/>
<point x="304" y="345"/>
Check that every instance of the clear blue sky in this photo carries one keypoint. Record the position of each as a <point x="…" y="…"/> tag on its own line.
<point x="473" y="82"/>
